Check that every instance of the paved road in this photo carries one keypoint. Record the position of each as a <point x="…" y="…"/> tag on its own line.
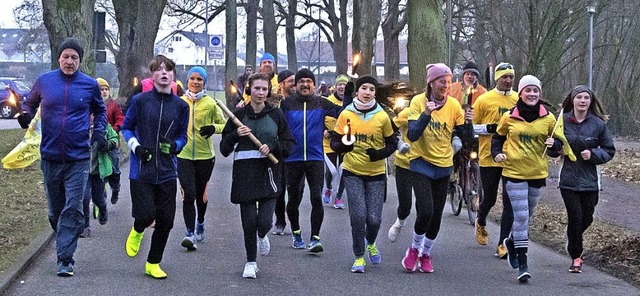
<point x="462" y="267"/>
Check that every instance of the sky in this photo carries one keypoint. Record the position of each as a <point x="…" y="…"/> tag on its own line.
<point x="6" y="15"/>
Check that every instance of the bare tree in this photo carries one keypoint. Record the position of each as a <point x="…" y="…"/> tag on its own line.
<point x="137" y="26"/>
<point x="230" y="71"/>
<point x="270" y="30"/>
<point x="392" y="25"/>
<point x="366" y="18"/>
<point x="66" y="18"/>
<point x="426" y="41"/>
<point x="251" y="9"/>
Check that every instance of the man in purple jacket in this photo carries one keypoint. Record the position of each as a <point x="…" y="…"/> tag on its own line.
<point x="66" y="97"/>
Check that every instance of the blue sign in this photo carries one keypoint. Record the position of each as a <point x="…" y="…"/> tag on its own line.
<point x="216" y="41"/>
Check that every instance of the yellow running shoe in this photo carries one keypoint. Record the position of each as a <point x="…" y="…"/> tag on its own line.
<point x="133" y="242"/>
<point x="482" y="236"/>
<point x="154" y="271"/>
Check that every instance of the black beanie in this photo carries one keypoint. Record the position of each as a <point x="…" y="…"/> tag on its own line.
<point x="471" y="67"/>
<point x="305" y="73"/>
<point x="284" y="74"/>
<point x="366" y="79"/>
<point x="72" y="43"/>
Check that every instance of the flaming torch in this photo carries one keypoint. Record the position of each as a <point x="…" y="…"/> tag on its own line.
<point x="348" y="139"/>
<point x="356" y="62"/>
<point x="135" y="81"/>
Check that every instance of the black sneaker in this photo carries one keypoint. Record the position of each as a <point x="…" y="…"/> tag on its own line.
<point x="512" y="257"/>
<point x="103" y="216"/>
<point x="65" y="270"/>
<point x="523" y="273"/>
<point x="114" y="197"/>
<point x="576" y="266"/>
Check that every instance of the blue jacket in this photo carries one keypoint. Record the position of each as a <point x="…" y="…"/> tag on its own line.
<point x="153" y="116"/>
<point x="305" y="116"/>
<point x="66" y="101"/>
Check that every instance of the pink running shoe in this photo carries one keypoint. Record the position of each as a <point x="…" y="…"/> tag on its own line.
<point x="425" y="264"/>
<point x="410" y="260"/>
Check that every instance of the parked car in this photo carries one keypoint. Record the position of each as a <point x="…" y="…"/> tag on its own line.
<point x="13" y="92"/>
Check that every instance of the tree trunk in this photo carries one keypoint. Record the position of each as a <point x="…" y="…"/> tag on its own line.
<point x="138" y="27"/>
<point x="426" y="41"/>
<point x="391" y="28"/>
<point x="365" y="13"/>
<point x="270" y="32"/>
<point x="290" y="29"/>
<point x="70" y="18"/>
<point x="231" y="67"/>
<point x="251" y="8"/>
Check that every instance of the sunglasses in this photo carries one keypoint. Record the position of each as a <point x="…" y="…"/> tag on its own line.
<point x="504" y="67"/>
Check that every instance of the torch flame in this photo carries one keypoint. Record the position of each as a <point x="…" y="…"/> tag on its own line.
<point x="400" y="103"/>
<point x="232" y="87"/>
<point x="135" y="81"/>
<point x="12" y="98"/>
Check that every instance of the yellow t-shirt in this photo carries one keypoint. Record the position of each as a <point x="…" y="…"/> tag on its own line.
<point x="488" y="109"/>
<point x="402" y="122"/>
<point x="524" y="146"/>
<point x="368" y="133"/>
<point x="330" y="123"/>
<point x="434" y="145"/>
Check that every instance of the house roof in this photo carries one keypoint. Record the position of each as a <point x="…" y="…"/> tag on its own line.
<point x="200" y="39"/>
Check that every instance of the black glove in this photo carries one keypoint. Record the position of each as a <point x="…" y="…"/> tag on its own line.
<point x="207" y="131"/>
<point x="167" y="147"/>
<point x="101" y="143"/>
<point x="24" y="120"/>
<point x="143" y="154"/>
<point x="491" y="128"/>
<point x="374" y="155"/>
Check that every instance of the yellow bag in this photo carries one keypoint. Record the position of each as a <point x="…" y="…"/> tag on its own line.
<point x="28" y="150"/>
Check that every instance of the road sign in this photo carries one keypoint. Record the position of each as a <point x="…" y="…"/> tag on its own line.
<point x="216" y="54"/>
<point x="216" y="41"/>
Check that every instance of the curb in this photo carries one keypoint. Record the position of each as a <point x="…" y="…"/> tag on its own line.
<point x="32" y="251"/>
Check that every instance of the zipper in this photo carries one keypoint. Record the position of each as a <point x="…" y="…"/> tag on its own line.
<point x="64" y="121"/>
<point x="158" y="141"/>
<point x="304" y="131"/>
<point x="193" y="131"/>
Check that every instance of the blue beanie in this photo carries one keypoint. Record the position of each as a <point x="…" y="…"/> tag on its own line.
<point x="198" y="70"/>
<point x="267" y="56"/>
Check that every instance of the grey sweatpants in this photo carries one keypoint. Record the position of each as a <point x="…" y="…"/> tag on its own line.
<point x="524" y="199"/>
<point x="365" y="197"/>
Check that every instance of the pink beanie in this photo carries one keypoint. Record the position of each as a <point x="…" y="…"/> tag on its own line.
<point x="436" y="70"/>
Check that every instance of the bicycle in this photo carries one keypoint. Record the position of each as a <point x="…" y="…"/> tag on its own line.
<point x="466" y="185"/>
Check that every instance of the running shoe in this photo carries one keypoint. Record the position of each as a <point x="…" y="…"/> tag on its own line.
<point x="374" y="254"/>
<point x="133" y="242"/>
<point x="576" y="266"/>
<point x="358" y="265"/>
<point x="65" y="270"/>
<point x="512" y="257"/>
<point x="339" y="204"/>
<point x="315" y="246"/>
<point x="394" y="232"/>
<point x="298" y="242"/>
<point x="501" y="252"/>
<point x="410" y="260"/>
<point x="199" y="232"/>
<point x="154" y="271"/>
<point x="278" y="229"/>
<point x="326" y="198"/>
<point x="425" y="264"/>
<point x="264" y="246"/>
<point x="189" y="242"/>
<point x="250" y="270"/>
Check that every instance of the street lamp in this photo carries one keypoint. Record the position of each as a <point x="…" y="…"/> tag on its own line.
<point x="591" y="10"/>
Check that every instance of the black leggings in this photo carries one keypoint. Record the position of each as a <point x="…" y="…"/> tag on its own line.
<point x="256" y="218"/>
<point x="281" y="205"/>
<point x="580" y="207"/>
<point x="431" y="196"/>
<point x="154" y="202"/>
<point x="404" y="187"/>
<point x="194" y="176"/>
<point x="296" y="172"/>
<point x="490" y="177"/>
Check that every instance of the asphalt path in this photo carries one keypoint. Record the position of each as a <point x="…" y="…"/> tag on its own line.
<point x="462" y="267"/>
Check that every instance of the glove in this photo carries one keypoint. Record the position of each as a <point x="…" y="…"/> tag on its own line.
<point x="374" y="155"/>
<point x="24" y="120"/>
<point x="101" y="142"/>
<point x="403" y="147"/>
<point x="491" y="128"/>
<point x="167" y="147"/>
<point x="143" y="154"/>
<point x="349" y="88"/>
<point x="207" y="131"/>
<point x="457" y="144"/>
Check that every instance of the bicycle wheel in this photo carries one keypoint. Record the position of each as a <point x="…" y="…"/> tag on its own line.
<point x="455" y="198"/>
<point x="474" y="194"/>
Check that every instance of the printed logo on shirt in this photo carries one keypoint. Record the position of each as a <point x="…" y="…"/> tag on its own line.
<point x="502" y="110"/>
<point x="526" y="138"/>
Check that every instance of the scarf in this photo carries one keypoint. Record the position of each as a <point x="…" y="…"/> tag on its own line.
<point x="195" y="97"/>
<point x="528" y="113"/>
<point x="363" y="106"/>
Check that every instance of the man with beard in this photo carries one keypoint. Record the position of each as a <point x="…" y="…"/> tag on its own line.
<point x="305" y="114"/>
<point x="267" y="67"/>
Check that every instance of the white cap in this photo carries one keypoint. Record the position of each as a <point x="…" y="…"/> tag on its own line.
<point x="527" y="80"/>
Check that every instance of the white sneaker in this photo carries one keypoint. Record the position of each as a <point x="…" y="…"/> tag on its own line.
<point x="250" y="270"/>
<point x="264" y="246"/>
<point x="394" y="232"/>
